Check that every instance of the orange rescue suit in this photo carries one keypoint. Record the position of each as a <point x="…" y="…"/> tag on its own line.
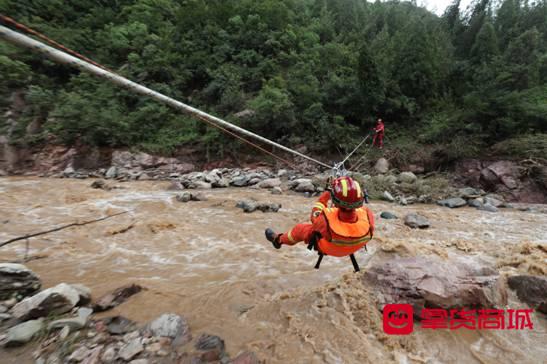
<point x="343" y="232"/>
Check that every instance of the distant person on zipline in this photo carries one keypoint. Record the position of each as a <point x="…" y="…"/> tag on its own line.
<point x="340" y="230"/>
<point x="378" y="139"/>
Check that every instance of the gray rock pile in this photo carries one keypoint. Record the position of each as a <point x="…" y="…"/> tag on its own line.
<point x="476" y="198"/>
<point x="76" y="337"/>
<point x="188" y="196"/>
<point x="17" y="281"/>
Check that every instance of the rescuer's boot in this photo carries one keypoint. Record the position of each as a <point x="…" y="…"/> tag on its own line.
<point x="273" y="238"/>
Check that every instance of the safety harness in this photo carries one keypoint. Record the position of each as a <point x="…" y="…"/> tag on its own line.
<point x="313" y="245"/>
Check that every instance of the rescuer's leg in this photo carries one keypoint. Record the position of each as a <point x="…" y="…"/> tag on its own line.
<point x="301" y="232"/>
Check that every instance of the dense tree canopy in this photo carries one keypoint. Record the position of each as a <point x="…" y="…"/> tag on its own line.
<point x="313" y="72"/>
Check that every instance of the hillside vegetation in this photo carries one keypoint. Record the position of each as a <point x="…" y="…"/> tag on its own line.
<point x="308" y="72"/>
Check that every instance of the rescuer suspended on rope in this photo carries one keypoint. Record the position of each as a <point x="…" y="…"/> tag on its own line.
<point x="338" y="231"/>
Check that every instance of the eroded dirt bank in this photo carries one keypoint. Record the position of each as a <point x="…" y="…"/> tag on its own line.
<point x="209" y="262"/>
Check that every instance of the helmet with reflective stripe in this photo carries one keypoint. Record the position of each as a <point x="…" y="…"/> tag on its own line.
<point x="347" y="193"/>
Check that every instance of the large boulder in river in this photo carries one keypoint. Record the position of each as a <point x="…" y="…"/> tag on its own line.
<point x="531" y="290"/>
<point x="17" y="280"/>
<point x="55" y="300"/>
<point x="415" y="221"/>
<point x="430" y="281"/>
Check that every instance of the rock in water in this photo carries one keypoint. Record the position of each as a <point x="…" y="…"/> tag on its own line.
<point x="476" y="202"/>
<point x="17" y="280"/>
<point x="101" y="185"/>
<point x="268" y="207"/>
<point x="493" y="201"/>
<point x="198" y="197"/>
<point x="247" y="206"/>
<point x="416" y="221"/>
<point x="429" y="281"/>
<point x="387" y="215"/>
<point x="251" y="206"/>
<point x="23" y="333"/>
<point x="270" y="183"/>
<point x="184" y="197"/>
<point x="382" y="166"/>
<point x="531" y="290"/>
<point x="452" y="202"/>
<point x="277" y="191"/>
<point x="172" y="326"/>
<point x="117" y="297"/>
<point x="487" y="207"/>
<point x="56" y="300"/>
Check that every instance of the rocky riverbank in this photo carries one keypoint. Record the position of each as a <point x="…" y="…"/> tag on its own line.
<point x="62" y="325"/>
<point x="524" y="181"/>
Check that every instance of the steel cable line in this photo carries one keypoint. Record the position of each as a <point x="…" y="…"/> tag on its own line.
<point x="83" y="64"/>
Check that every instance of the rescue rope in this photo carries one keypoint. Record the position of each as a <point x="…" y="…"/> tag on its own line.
<point x="84" y="64"/>
<point x="15" y="24"/>
<point x="355" y="149"/>
<point x="362" y="159"/>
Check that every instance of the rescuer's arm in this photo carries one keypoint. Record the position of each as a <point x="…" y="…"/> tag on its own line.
<point x="320" y="205"/>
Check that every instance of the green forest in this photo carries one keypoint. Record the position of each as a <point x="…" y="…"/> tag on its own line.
<point x="301" y="72"/>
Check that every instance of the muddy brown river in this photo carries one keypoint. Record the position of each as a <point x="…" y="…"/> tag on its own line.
<point x="209" y="262"/>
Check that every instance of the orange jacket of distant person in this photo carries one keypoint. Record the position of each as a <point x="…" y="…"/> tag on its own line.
<point x="378" y="139"/>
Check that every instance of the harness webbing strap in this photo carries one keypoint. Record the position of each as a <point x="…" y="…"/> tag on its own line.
<point x="319" y="261"/>
<point x="354" y="262"/>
